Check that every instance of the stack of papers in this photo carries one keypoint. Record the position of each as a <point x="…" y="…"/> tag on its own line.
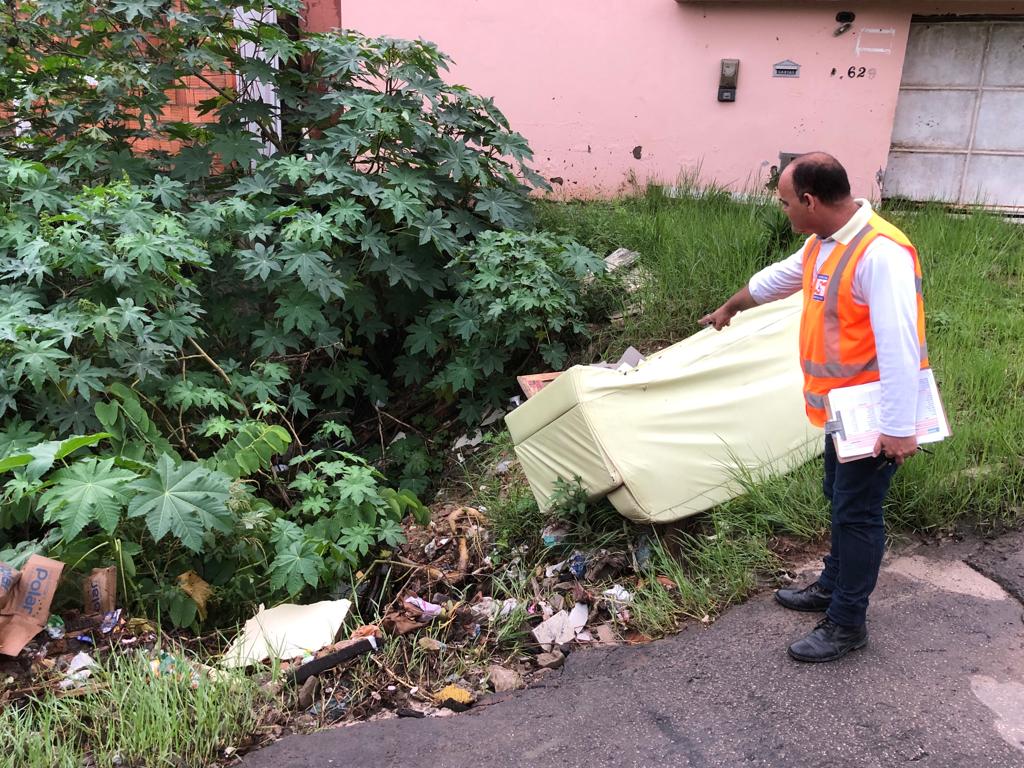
<point x="855" y="416"/>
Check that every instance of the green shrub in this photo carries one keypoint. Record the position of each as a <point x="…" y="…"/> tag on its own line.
<point x="342" y="248"/>
<point x="224" y="300"/>
<point x="157" y="522"/>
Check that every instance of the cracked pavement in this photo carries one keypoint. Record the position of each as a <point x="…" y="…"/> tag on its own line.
<point x="940" y="684"/>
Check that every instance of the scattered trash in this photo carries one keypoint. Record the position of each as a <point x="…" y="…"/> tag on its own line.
<point x="286" y="631"/>
<point x="165" y="665"/>
<point x="469" y="441"/>
<point x="618" y="593"/>
<point x="642" y="554"/>
<point x="493" y="416"/>
<point x="27" y="607"/>
<point x="427" y="610"/>
<point x="561" y="628"/>
<point x="445" y="571"/>
<point x="544" y="608"/>
<point x="554" y="534"/>
<point x="431" y="547"/>
<point x="330" y="711"/>
<point x="551" y="660"/>
<point x="578" y="617"/>
<point x="455" y="698"/>
<point x="504" y="679"/>
<point x="554" y="570"/>
<point x="140" y="626"/>
<point x="78" y="671"/>
<point x="99" y="591"/>
<point x="431" y="644"/>
<point x="666" y="582"/>
<point x="55" y="627"/>
<point x="578" y="565"/>
<point x="193" y="585"/>
<point x="488" y="608"/>
<point x="367" y="630"/>
<point x="604" y="564"/>
<point x="307" y="693"/>
<point x="554" y="631"/>
<point x="110" y="620"/>
<point x="399" y="624"/>
<point x="502" y="467"/>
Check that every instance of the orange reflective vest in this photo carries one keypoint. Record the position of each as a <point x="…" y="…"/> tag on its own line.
<point x="837" y="344"/>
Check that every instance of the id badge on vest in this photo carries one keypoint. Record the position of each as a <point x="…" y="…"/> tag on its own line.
<point x="820" y="285"/>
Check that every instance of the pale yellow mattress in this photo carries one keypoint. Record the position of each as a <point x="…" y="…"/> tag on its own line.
<point x="672" y="437"/>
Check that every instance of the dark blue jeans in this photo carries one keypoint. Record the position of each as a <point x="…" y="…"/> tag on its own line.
<point x="856" y="491"/>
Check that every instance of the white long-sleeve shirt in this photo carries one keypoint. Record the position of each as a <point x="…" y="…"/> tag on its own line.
<point x="885" y="281"/>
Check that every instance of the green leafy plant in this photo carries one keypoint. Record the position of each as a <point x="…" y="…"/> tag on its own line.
<point x="334" y="233"/>
<point x="344" y="513"/>
<point x="160" y="521"/>
<point x="216" y="298"/>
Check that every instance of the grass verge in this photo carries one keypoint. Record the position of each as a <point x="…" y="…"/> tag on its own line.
<point x="126" y="715"/>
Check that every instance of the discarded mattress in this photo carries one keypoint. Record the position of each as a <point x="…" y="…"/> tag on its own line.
<point x="677" y="434"/>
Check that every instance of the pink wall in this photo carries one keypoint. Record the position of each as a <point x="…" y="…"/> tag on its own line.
<point x="586" y="82"/>
<point x="322" y="15"/>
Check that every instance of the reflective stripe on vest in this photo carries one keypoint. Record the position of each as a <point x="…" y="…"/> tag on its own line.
<point x="832" y="329"/>
<point x="813" y="400"/>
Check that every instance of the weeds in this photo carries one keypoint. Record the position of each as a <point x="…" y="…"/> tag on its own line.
<point x="512" y="512"/>
<point x="696" y="246"/>
<point x="131" y="716"/>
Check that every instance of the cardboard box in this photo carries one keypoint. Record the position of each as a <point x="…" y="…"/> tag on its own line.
<point x="27" y="608"/>
<point x="8" y="578"/>
<point x="99" y="591"/>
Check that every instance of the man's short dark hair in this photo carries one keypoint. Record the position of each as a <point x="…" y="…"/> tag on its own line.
<point x="821" y="175"/>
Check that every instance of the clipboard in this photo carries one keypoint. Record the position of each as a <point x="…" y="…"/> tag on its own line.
<point x="854" y="415"/>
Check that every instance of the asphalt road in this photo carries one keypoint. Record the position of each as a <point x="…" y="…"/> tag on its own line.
<point x="941" y="684"/>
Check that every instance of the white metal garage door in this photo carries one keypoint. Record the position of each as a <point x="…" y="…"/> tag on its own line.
<point x="958" y="135"/>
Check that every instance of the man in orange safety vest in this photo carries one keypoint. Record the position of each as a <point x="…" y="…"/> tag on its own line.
<point x="862" y="321"/>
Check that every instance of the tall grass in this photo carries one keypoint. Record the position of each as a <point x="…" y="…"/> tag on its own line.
<point x="132" y="717"/>
<point x="697" y="247"/>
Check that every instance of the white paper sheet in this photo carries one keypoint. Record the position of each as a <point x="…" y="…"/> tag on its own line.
<point x="859" y="409"/>
<point x="286" y="631"/>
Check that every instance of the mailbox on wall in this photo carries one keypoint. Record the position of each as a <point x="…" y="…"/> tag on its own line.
<point x="728" y="76"/>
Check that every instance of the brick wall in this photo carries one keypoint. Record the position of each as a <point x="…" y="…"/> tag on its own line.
<point x="183" y="107"/>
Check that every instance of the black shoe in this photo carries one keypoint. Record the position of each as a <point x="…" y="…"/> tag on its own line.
<point x="812" y="598"/>
<point x="829" y="641"/>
